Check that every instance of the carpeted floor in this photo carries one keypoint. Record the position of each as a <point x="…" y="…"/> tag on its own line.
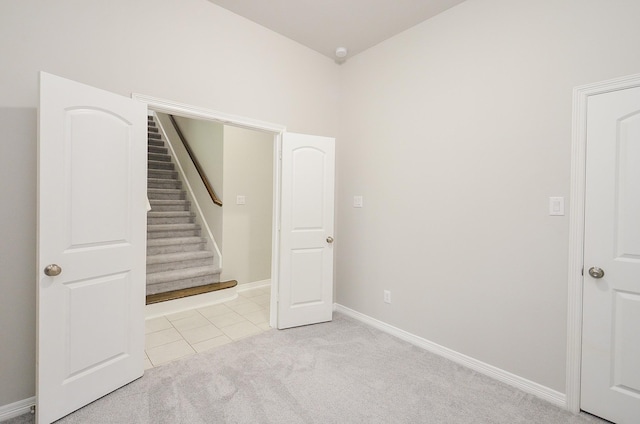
<point x="337" y="372"/>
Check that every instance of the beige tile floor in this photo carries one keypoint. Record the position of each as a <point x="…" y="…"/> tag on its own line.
<point x="178" y="335"/>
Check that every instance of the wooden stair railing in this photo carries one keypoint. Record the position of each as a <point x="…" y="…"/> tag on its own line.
<point x="201" y="172"/>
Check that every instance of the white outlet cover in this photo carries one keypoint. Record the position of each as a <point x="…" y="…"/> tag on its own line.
<point x="241" y="200"/>
<point x="358" y="202"/>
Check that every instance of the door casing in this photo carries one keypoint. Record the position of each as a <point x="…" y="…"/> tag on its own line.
<point x="194" y="112"/>
<point x="576" y="228"/>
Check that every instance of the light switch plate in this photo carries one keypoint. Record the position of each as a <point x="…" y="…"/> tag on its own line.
<point x="241" y="200"/>
<point x="556" y="206"/>
<point x="357" y="201"/>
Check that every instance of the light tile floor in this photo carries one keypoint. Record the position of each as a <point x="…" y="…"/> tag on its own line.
<point x="178" y="335"/>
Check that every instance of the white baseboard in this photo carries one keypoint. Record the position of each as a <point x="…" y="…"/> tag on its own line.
<point x="15" y="409"/>
<point x="191" y="302"/>
<point x="253" y="285"/>
<point x="543" y="392"/>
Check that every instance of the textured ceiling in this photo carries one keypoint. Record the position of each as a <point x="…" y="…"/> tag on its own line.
<point x="324" y="25"/>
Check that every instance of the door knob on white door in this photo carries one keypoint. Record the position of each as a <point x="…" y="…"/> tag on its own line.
<point x="329" y="239"/>
<point x="596" y="272"/>
<point x="52" y="270"/>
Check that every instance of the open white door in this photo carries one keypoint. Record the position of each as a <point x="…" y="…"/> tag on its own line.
<point x="610" y="380"/>
<point x="92" y="156"/>
<point x="305" y="287"/>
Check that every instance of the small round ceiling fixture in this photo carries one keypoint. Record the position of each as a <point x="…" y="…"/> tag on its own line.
<point x="341" y="52"/>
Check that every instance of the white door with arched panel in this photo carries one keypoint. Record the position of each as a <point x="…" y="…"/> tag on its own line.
<point x="305" y="284"/>
<point x="92" y="155"/>
<point x="610" y="378"/>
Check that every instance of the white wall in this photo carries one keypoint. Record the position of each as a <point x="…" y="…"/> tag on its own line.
<point x="17" y="253"/>
<point x="248" y="171"/>
<point x="205" y="139"/>
<point x="219" y="61"/>
<point x="456" y="132"/>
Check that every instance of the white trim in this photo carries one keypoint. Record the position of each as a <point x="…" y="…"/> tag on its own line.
<point x="171" y="107"/>
<point x="16" y="409"/>
<point x="169" y="307"/>
<point x="253" y="285"/>
<point x="576" y="227"/>
<point x="499" y="374"/>
<point x="188" y="111"/>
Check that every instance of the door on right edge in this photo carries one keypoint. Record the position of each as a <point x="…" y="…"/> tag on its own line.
<point x="610" y="381"/>
<point x="305" y="286"/>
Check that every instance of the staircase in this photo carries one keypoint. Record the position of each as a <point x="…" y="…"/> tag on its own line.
<point x="177" y="256"/>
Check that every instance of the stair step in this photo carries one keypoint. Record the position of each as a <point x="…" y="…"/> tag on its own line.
<point x="173" y="245"/>
<point x="179" y="260"/>
<point x="172" y="230"/>
<point x="160" y="157"/>
<point x="165" y="174"/>
<point x="165" y="194"/>
<point x="158" y="149"/>
<point x="152" y="128"/>
<point x="177" y="217"/>
<point x="159" y="282"/>
<point x="152" y="136"/>
<point x="154" y="164"/>
<point x="163" y="183"/>
<point x="159" y="143"/>
<point x="169" y="205"/>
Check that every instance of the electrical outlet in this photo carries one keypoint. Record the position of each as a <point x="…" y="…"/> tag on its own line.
<point x="387" y="296"/>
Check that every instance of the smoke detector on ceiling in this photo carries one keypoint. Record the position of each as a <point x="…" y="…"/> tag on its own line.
<point x="341" y="52"/>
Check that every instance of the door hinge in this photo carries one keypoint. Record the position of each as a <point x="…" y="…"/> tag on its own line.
<point x="280" y="155"/>
<point x="582" y="272"/>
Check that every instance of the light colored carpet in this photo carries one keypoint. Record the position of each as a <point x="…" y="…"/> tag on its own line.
<point x="337" y="372"/>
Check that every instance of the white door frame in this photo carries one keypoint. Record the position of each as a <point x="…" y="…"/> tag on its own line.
<point x="195" y="112"/>
<point x="576" y="227"/>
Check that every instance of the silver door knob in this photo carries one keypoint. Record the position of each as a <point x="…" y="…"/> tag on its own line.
<point x="596" y="272"/>
<point x="52" y="270"/>
<point x="329" y="239"/>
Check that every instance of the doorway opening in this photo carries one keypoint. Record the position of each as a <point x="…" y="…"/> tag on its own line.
<point x="240" y="131"/>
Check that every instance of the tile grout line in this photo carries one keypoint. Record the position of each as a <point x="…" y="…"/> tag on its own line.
<point x="241" y="325"/>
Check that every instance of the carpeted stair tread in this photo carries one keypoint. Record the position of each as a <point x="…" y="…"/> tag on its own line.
<point x="165" y="194"/>
<point x="165" y="174"/>
<point x="159" y="157"/>
<point x="169" y="214"/>
<point x="163" y="183"/>
<point x="156" y="164"/>
<point x="158" y="149"/>
<point x="179" y="256"/>
<point x="181" y="274"/>
<point x="175" y="241"/>
<point x="172" y="227"/>
<point x="160" y="202"/>
<point x="154" y="136"/>
<point x="178" y="260"/>
<point x="170" y="217"/>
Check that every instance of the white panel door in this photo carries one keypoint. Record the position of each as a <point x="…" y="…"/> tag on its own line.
<point x="92" y="156"/>
<point x="305" y="285"/>
<point x="611" y="324"/>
